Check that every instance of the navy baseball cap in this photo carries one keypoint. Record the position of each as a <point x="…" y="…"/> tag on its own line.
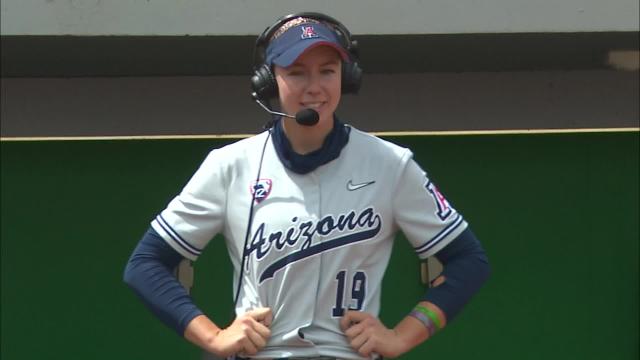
<point x="286" y="46"/>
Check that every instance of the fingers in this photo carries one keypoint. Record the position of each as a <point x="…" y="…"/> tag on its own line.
<point x="261" y="315"/>
<point x="263" y="318"/>
<point x="366" y="334"/>
<point x="355" y="329"/>
<point x="358" y="327"/>
<point x="258" y="333"/>
<point x="259" y="321"/>
<point x="352" y="317"/>
<point x="249" y="341"/>
<point x="367" y="348"/>
<point x="248" y="347"/>
<point x="363" y="339"/>
<point x="248" y="333"/>
<point x="262" y="330"/>
<point x="358" y="340"/>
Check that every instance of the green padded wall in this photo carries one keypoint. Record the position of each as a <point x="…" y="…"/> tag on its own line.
<point x="557" y="214"/>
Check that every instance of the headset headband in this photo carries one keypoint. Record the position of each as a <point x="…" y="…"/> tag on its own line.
<point x="343" y="35"/>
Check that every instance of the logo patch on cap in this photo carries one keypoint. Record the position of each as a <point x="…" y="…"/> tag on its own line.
<point x="308" y="32"/>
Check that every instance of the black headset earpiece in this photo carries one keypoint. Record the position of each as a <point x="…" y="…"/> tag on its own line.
<point x="263" y="81"/>
<point x="351" y="78"/>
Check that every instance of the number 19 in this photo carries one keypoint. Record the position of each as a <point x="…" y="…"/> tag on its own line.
<point x="358" y="292"/>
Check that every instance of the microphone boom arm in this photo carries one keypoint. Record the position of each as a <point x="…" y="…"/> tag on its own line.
<point x="255" y="98"/>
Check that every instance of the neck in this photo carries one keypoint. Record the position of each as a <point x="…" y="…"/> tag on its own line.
<point x="306" y="139"/>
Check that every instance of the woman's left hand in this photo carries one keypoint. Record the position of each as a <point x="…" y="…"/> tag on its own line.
<point x="367" y="335"/>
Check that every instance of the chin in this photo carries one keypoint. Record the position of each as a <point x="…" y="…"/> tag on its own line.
<point x="326" y="120"/>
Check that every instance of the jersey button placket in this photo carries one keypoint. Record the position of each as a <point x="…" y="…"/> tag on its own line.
<point x="313" y="202"/>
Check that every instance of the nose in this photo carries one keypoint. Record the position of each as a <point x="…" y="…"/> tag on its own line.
<point x="313" y="84"/>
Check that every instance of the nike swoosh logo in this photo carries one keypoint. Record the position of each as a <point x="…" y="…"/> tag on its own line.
<point x="351" y="186"/>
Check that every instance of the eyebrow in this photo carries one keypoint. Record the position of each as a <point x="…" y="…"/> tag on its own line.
<point x="329" y="62"/>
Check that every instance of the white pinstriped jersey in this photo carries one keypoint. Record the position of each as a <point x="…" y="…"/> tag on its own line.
<point x="319" y="242"/>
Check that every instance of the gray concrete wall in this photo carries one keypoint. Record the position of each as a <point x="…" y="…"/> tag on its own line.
<point x="162" y="67"/>
<point x="221" y="105"/>
<point x="230" y="17"/>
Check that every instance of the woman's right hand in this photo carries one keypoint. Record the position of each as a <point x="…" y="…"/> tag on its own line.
<point x="247" y="335"/>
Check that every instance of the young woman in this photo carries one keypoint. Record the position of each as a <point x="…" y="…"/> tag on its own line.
<point x="309" y="210"/>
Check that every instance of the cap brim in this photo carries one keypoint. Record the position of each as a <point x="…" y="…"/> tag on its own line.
<point x="293" y="53"/>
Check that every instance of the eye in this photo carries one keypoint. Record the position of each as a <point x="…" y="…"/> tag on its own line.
<point x="328" y="71"/>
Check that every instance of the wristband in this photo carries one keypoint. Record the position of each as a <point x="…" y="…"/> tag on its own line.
<point x="430" y="314"/>
<point x="424" y="320"/>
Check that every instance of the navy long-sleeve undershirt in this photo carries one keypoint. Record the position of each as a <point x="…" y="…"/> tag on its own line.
<point x="465" y="268"/>
<point x="149" y="272"/>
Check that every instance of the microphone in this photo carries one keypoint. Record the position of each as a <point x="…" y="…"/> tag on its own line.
<point x="305" y="117"/>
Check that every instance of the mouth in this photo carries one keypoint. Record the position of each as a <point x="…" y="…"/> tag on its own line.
<point x="316" y="105"/>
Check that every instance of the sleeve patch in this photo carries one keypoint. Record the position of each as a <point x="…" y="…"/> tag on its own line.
<point x="444" y="209"/>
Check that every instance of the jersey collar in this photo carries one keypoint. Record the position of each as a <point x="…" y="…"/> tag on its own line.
<point x="303" y="164"/>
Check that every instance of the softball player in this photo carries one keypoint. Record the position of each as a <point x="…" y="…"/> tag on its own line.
<point x="309" y="210"/>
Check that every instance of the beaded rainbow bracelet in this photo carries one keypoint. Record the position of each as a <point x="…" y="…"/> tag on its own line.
<point x="424" y="320"/>
<point x="428" y="317"/>
<point x="431" y="314"/>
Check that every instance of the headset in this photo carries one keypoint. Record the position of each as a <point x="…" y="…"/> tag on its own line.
<point x="263" y="81"/>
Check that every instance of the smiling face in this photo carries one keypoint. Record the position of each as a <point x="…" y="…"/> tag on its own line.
<point x="312" y="81"/>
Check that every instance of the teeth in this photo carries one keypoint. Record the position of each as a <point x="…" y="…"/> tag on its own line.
<point x="312" y="105"/>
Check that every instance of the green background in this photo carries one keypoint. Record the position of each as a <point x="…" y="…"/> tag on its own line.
<point x="556" y="213"/>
